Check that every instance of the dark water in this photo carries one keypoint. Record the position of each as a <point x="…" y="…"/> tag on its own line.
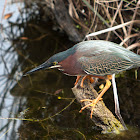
<point x="42" y="105"/>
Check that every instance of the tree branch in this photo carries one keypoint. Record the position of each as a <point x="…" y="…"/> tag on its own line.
<point x="102" y="116"/>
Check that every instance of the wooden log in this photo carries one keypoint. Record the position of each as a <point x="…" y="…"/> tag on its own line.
<point x="63" y="19"/>
<point x="102" y="116"/>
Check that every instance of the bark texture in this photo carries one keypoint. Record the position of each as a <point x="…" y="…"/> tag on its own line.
<point x="102" y="116"/>
<point x="63" y="18"/>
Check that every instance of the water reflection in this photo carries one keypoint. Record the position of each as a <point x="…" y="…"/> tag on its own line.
<point x="45" y="97"/>
<point x="8" y="66"/>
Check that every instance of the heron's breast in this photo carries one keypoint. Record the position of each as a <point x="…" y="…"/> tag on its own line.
<point x="71" y="66"/>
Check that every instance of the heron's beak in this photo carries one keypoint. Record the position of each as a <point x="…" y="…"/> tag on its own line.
<point x="45" y="65"/>
<point x="56" y="66"/>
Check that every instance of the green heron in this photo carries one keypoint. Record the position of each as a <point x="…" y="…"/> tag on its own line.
<point x="94" y="58"/>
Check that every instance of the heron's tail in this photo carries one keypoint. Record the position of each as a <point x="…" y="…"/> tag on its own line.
<point x="136" y="60"/>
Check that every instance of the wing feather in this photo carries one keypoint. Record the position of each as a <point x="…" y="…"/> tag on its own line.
<point x="107" y="64"/>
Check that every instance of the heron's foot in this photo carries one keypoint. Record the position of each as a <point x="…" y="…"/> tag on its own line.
<point x="92" y="104"/>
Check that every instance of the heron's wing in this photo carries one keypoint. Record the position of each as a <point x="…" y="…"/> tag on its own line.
<point x="104" y="64"/>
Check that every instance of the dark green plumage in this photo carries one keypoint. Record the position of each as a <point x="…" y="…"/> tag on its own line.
<point x="94" y="57"/>
<point x="106" y="58"/>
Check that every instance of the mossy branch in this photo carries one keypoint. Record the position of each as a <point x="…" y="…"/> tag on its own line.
<point x="102" y="116"/>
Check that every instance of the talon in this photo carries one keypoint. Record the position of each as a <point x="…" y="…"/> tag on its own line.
<point x="92" y="104"/>
<point x="91" y="112"/>
<point x="86" y="100"/>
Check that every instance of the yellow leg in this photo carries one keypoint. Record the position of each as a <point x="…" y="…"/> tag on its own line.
<point x="95" y="101"/>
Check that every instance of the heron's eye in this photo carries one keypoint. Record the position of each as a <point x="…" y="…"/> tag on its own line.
<point x="55" y="63"/>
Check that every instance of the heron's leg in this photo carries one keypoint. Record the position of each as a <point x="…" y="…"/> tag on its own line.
<point x="78" y="77"/>
<point x="117" y="108"/>
<point x="95" y="101"/>
<point x="90" y="77"/>
<point x="85" y="77"/>
<point x="82" y="82"/>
